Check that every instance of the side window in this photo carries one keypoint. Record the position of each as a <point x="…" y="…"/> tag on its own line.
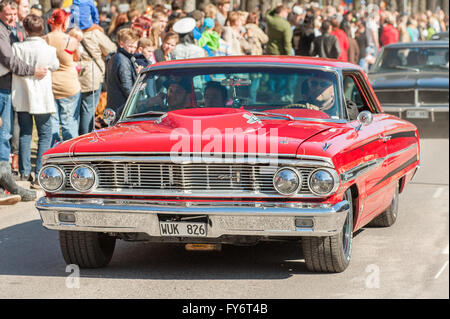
<point x="354" y="100"/>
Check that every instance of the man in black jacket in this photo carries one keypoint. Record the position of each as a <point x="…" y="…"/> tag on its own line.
<point x="121" y="70"/>
<point x="55" y="4"/>
<point x="304" y="36"/>
<point x="326" y="45"/>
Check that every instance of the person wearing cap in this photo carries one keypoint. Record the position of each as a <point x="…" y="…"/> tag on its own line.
<point x="36" y="9"/>
<point x="186" y="48"/>
<point x="210" y="38"/>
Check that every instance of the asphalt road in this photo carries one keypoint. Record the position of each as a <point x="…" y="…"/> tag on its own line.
<point x="408" y="260"/>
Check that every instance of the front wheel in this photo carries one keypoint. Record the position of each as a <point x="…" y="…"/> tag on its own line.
<point x="331" y="253"/>
<point x="86" y="249"/>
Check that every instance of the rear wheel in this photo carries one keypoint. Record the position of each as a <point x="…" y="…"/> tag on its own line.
<point x="86" y="249"/>
<point x="331" y="253"/>
<point x="389" y="216"/>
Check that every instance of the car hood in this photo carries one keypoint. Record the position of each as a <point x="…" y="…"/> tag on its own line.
<point x="410" y="80"/>
<point x="198" y="131"/>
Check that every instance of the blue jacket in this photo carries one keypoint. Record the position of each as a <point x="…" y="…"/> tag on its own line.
<point x="120" y="77"/>
<point x="84" y="14"/>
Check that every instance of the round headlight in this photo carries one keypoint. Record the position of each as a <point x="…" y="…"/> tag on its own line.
<point x="287" y="181"/>
<point x="51" y="178"/>
<point x="323" y="182"/>
<point x="83" y="178"/>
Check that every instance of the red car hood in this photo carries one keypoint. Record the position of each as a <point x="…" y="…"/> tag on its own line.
<point x="198" y="130"/>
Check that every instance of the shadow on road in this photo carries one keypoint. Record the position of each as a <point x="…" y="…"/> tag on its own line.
<point x="30" y="250"/>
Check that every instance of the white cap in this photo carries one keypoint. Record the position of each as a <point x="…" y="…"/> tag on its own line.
<point x="297" y="10"/>
<point x="184" y="25"/>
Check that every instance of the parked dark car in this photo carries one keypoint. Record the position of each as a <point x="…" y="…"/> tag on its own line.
<point x="411" y="81"/>
<point x="440" y="36"/>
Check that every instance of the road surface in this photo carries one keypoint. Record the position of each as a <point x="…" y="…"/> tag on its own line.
<point x="408" y="260"/>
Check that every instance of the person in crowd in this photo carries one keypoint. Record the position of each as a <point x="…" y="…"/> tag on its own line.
<point x="210" y="11"/>
<point x="143" y="25"/>
<point x="156" y="33"/>
<point x="84" y="13"/>
<point x="361" y="39"/>
<point x="36" y="9"/>
<point x="177" y="9"/>
<point x="389" y="33"/>
<point x="209" y="38"/>
<point x="66" y="86"/>
<point x="162" y="17"/>
<point x="145" y="52"/>
<point x="402" y="29"/>
<point x="326" y="45"/>
<point x="104" y="20"/>
<point x="232" y="34"/>
<point x="303" y="36"/>
<point x="279" y="32"/>
<point x="353" y="47"/>
<point x="165" y="52"/>
<point x="342" y="40"/>
<point x="256" y="37"/>
<point x="215" y="95"/>
<point x="224" y="47"/>
<point x="54" y="4"/>
<point x="33" y="98"/>
<point x="120" y="21"/>
<point x="95" y="45"/>
<point x="186" y="48"/>
<point x="13" y="65"/>
<point x="224" y="7"/>
<point x="121" y="70"/>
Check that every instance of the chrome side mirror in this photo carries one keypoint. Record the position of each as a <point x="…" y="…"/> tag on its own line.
<point x="364" y="118"/>
<point x="109" y="116"/>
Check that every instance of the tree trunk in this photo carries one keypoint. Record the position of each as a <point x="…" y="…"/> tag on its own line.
<point x="444" y="6"/>
<point x="189" y="5"/>
<point x="431" y="5"/>
<point x="414" y="6"/>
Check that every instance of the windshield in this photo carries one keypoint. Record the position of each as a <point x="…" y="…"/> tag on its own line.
<point x="302" y="93"/>
<point x="412" y="59"/>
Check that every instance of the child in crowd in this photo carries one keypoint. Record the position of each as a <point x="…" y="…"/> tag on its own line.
<point x="145" y="52"/>
<point x="84" y="14"/>
<point x="209" y="38"/>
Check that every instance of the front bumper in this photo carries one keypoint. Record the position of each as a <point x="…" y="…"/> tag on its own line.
<point x="237" y="218"/>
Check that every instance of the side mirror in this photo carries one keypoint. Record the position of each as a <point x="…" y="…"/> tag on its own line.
<point x="364" y="118"/>
<point x="109" y="116"/>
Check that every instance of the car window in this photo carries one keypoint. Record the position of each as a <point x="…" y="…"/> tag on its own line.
<point x="413" y="59"/>
<point x="355" y="103"/>
<point x="305" y="93"/>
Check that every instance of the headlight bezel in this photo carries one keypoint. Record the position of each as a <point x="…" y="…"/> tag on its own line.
<point x="63" y="175"/>
<point x="299" y="177"/>
<point x="94" y="184"/>
<point x="334" y="176"/>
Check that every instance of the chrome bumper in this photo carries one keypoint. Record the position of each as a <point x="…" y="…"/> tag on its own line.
<point x="400" y="109"/>
<point x="247" y="219"/>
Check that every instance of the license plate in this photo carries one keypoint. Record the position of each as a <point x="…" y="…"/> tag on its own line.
<point x="417" y="114"/>
<point x="183" y="229"/>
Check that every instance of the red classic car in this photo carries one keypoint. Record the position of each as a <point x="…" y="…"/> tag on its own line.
<point x="233" y="150"/>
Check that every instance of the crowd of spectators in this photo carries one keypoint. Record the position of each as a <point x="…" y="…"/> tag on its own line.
<point x="61" y="67"/>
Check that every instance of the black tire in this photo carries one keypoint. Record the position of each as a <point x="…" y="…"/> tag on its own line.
<point x="86" y="249"/>
<point x="331" y="253"/>
<point x="389" y="216"/>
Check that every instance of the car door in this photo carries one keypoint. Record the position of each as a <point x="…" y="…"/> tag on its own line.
<point x="370" y="147"/>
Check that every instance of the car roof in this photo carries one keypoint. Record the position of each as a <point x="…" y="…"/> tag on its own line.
<point x="417" y="44"/>
<point x="262" y="59"/>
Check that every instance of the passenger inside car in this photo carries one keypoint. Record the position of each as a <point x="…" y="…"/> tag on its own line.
<point x="215" y="95"/>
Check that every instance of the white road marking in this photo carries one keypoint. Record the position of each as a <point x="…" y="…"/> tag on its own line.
<point x="438" y="192"/>
<point x="440" y="271"/>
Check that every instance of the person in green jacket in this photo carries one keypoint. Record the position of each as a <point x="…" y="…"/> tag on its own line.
<point x="209" y="37"/>
<point x="279" y="31"/>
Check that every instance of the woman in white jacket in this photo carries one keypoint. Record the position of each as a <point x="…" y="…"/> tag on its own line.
<point x="33" y="98"/>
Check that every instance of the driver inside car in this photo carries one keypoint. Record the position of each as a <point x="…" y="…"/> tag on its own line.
<point x="317" y="94"/>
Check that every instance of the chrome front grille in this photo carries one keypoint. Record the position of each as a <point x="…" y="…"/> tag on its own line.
<point x="167" y="178"/>
<point x="433" y="97"/>
<point x="394" y="97"/>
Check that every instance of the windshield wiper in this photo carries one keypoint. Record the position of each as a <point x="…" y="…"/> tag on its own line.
<point x="408" y="68"/>
<point x="290" y="117"/>
<point x="144" y="114"/>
